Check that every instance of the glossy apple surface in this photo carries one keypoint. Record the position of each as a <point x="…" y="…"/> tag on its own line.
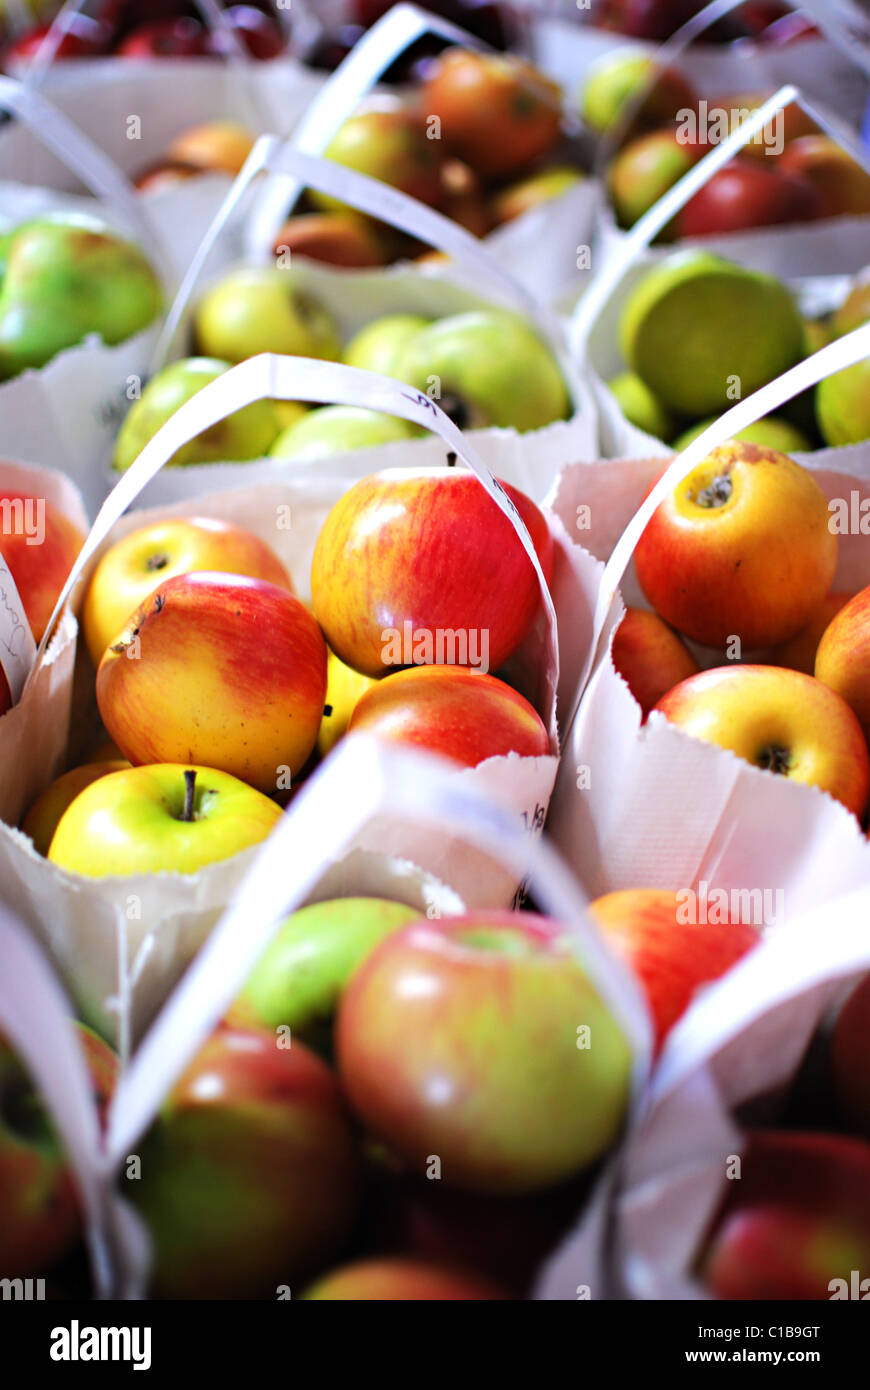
<point x="400" y="1280"/>
<point x="748" y="194"/>
<point x="457" y="712"/>
<point x="344" y="688"/>
<point x="39" y="557"/>
<point x="799" y="653"/>
<point x="130" y="571"/>
<point x="780" y="720"/>
<point x="672" y="959"/>
<point x="429" y="547"/>
<point x="650" y="657"/>
<point x="250" y="1174"/>
<point x="460" y="1039"/>
<point x="44" y="815"/>
<point x="843" y="656"/>
<point x="741" y="548"/>
<point x="261" y="309"/>
<point x="220" y="668"/>
<point x="843" y="187"/>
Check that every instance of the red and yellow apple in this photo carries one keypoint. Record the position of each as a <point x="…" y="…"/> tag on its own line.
<point x="799" y="653"/>
<point x="400" y="1280"/>
<point x="747" y="193"/>
<point x="841" y="184"/>
<point x="650" y="657"/>
<point x="843" y="656"/>
<point x="213" y="147"/>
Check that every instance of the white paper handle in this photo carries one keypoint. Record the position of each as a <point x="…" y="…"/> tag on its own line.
<point x="275" y="377"/>
<point x="360" y="780"/>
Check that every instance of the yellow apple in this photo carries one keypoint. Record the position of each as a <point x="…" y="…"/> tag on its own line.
<point x="42" y="819"/>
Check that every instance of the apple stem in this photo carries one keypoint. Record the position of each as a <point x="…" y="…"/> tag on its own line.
<point x="189" y="794"/>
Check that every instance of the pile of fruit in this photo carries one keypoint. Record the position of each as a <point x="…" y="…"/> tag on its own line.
<point x="396" y="1099"/>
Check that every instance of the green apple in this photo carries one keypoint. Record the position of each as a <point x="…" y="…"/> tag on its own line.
<point x="534" y="190"/>
<point x="388" y="141"/>
<point x="336" y="429"/>
<point x="771" y="432"/>
<point x="618" y="78"/>
<point x="262" y="309"/>
<point x="377" y="347"/>
<point x="300" y="976"/>
<point x="843" y="405"/>
<point x="643" y="171"/>
<point x="640" y="407"/>
<point x="703" y="332"/>
<point x="486" y="368"/>
<point x="246" y="434"/>
<point x="161" y="817"/>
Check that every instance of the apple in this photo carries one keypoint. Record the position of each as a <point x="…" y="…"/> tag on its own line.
<point x="486" y="367"/>
<point x="799" y="654"/>
<point x="643" y="171"/>
<point x="217" y="667"/>
<point x="650" y="657"/>
<point x="842" y="408"/>
<point x="83" y="37"/>
<point x="344" y="688"/>
<point x="164" y="817"/>
<point x="780" y="720"/>
<point x="387" y="141"/>
<point x="243" y="435"/>
<point x="855" y="308"/>
<point x="618" y="79"/>
<point x="671" y="958"/>
<point x="39" y="1203"/>
<point x="496" y="112"/>
<point x="640" y="406"/>
<point x="464" y="198"/>
<point x="459" y="713"/>
<point x="336" y="238"/>
<point x="740" y="548"/>
<point x="850" y="1059"/>
<point x="259" y="33"/>
<point x="646" y="19"/>
<point x="44" y="815"/>
<point x="378" y="347"/>
<point x="797" y="1221"/>
<point x="338" y="429"/>
<point x="461" y="1039"/>
<point x="156" y="178"/>
<point x="843" y="187"/>
<point x="535" y="190"/>
<point x="213" y="146"/>
<point x="260" y="309"/>
<point x="843" y="656"/>
<point x="168" y="38"/>
<point x="771" y="432"/>
<point x="790" y="123"/>
<point x="394" y="1279"/>
<point x="250" y="1175"/>
<point x="300" y="976"/>
<point x="131" y="569"/>
<point x="429" y="547"/>
<point x="39" y="545"/>
<point x="748" y="194"/>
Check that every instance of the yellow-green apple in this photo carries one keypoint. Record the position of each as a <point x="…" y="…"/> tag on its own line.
<point x="40" y="1218"/>
<point x="850" y="1059"/>
<point x="401" y="1280"/>
<point x="619" y="78"/>
<point x="455" y="711"/>
<point x="213" y="146"/>
<point x="797" y="1224"/>
<point x="747" y="193"/>
<point x="643" y="171"/>
<point x="672" y="957"/>
<point x="783" y="721"/>
<point x="855" y="308"/>
<point x="842" y="185"/>
<point x="130" y="570"/>
<point x="336" y="238"/>
<point x="246" y="434"/>
<point x="39" y="545"/>
<point x="650" y="657"/>
<point x="772" y="432"/>
<point x="262" y="309"/>
<point x="842" y="409"/>
<point x="495" y="111"/>
<point x="44" y="815"/>
<point x="640" y="406"/>
<point x="799" y="653"/>
<point x="426" y="547"/>
<point x="301" y="974"/>
<point x="336" y="429"/>
<point x="378" y="346"/>
<point x="485" y="368"/>
<point x="220" y="668"/>
<point x="250" y="1175"/>
<point x="843" y="656"/>
<point x="535" y="189"/>
<point x="741" y="548"/>
<point x="143" y="820"/>
<point x="344" y="687"/>
<point x="386" y="140"/>
<point x="463" y="1039"/>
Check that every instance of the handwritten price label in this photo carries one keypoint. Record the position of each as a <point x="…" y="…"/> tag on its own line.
<point x="17" y="647"/>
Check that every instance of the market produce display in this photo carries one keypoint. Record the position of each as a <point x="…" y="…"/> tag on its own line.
<point x="434" y="693"/>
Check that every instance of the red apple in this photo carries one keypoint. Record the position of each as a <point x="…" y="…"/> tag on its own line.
<point x="799" y="653"/>
<point x="218" y="669"/>
<point x="779" y="720"/>
<point x="170" y="38"/>
<point x="843" y="656"/>
<point x="747" y="194"/>
<point x="672" y="956"/>
<point x="250" y="1175"/>
<point x="460" y="1041"/>
<point x="258" y="32"/>
<point x="650" y="657"/>
<point x="850" y="1059"/>
<point x="425" y="546"/>
<point x="741" y="548"/>
<point x="797" y="1221"/>
<point x="460" y="713"/>
<point x="83" y="37"/>
<point x="398" y="1280"/>
<point x="646" y="19"/>
<point x="843" y="187"/>
<point x="40" y="1219"/>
